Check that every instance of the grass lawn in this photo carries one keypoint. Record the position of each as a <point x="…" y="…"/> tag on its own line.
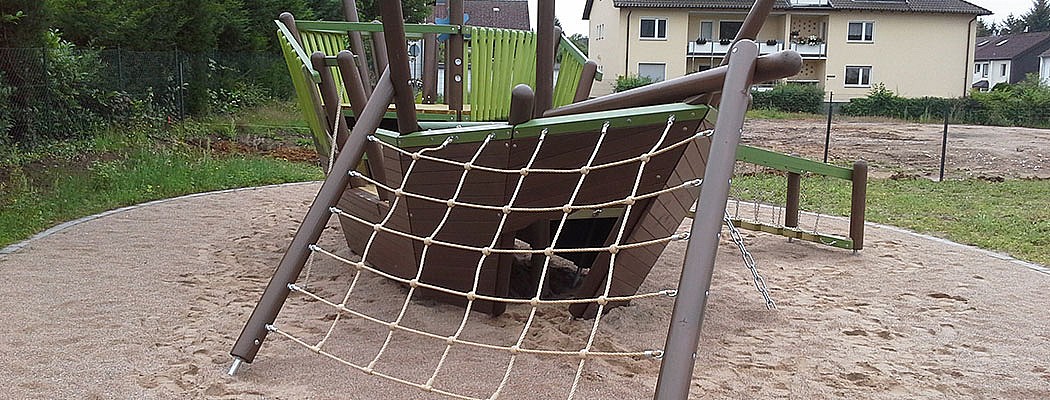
<point x="122" y="167"/>
<point x="1010" y="216"/>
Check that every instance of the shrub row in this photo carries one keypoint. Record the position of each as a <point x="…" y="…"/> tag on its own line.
<point x="790" y="97"/>
<point x="1022" y="104"/>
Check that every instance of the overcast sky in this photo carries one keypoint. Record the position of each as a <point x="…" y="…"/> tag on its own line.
<point x="570" y="12"/>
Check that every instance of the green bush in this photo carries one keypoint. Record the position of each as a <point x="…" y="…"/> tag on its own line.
<point x="790" y="97"/>
<point x="1023" y="104"/>
<point x="631" y="81"/>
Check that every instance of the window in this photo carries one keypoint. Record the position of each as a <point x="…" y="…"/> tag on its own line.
<point x="977" y="68"/>
<point x="1002" y="70"/>
<point x="707" y="30"/>
<point x="858" y="76"/>
<point x="655" y="71"/>
<point x="984" y="70"/>
<point x="861" y="31"/>
<point x="654" y="28"/>
<point x="729" y="29"/>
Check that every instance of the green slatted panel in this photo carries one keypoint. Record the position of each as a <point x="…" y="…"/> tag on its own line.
<point x="330" y="44"/>
<point x="500" y="59"/>
<point x="302" y="93"/>
<point x="568" y="78"/>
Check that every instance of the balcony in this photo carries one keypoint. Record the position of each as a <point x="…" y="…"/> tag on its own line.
<point x="718" y="49"/>
<point x="811" y="51"/>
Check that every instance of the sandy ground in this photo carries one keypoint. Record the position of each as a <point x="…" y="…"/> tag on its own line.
<point x="146" y="304"/>
<point x="988" y="152"/>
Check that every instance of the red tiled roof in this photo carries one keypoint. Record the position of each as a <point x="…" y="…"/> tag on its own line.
<point x="1009" y="46"/>
<point x="511" y="14"/>
<point x="920" y="6"/>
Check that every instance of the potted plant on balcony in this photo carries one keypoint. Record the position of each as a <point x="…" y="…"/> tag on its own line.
<point x="808" y="45"/>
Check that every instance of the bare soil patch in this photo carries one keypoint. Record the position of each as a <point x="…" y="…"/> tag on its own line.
<point x="894" y="147"/>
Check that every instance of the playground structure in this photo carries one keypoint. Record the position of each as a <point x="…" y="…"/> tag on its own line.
<point x="434" y="195"/>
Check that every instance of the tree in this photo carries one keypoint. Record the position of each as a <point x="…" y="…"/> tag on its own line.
<point x="416" y="11"/>
<point x="1011" y="25"/>
<point x="22" y="23"/>
<point x="986" y="28"/>
<point x="579" y="41"/>
<point x="1038" y="18"/>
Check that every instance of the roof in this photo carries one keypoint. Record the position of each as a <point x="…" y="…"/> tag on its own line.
<point x="512" y="14"/>
<point x="916" y="6"/>
<point x="1006" y="47"/>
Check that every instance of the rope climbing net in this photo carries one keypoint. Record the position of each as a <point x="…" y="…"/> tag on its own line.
<point x="346" y="312"/>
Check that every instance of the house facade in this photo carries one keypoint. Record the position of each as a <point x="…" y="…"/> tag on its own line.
<point x="914" y="47"/>
<point x="1008" y="58"/>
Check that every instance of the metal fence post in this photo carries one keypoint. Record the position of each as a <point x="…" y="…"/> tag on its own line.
<point x="944" y="145"/>
<point x="827" y="135"/>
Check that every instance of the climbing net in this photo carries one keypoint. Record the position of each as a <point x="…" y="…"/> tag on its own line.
<point x="346" y="311"/>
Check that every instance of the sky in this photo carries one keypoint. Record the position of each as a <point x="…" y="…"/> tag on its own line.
<point x="570" y="12"/>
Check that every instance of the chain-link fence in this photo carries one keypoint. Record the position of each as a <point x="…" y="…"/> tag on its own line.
<point x="64" y="93"/>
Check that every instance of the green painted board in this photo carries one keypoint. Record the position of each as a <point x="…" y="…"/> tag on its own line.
<point x="784" y="162"/>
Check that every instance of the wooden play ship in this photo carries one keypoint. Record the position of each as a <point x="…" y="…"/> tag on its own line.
<point x="334" y="85"/>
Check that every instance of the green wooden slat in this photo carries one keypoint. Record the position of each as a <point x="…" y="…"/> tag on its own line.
<point x="784" y="162"/>
<point x="487" y="44"/>
<point x="475" y="73"/>
<point x="304" y="58"/>
<point x="298" y="75"/>
<point x="503" y="88"/>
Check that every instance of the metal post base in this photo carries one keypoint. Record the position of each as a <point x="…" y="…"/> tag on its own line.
<point x="237" y="361"/>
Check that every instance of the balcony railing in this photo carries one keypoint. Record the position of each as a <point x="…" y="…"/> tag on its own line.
<point x="716" y="48"/>
<point x="819" y="50"/>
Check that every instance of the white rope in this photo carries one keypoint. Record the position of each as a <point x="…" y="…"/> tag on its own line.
<point x="612" y="263"/>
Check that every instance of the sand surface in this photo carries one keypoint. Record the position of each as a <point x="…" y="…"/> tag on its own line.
<point x="146" y="303"/>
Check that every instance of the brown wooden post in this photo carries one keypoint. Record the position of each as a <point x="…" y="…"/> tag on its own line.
<point x="858" y="204"/>
<point x="768" y="67"/>
<point x="332" y="100"/>
<point x="355" y="90"/>
<point x="583" y="89"/>
<point x="255" y="330"/>
<point x="683" y="335"/>
<point x="288" y="20"/>
<point x="400" y="74"/>
<point x="544" y="56"/>
<point x="454" y="63"/>
<point x="794" y="191"/>
<point x="522" y="101"/>
<point x="357" y="45"/>
<point x="379" y="51"/>
<point x="430" y="68"/>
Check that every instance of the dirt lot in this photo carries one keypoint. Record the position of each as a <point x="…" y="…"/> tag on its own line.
<point x="899" y="148"/>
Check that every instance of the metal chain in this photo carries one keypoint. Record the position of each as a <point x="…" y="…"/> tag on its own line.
<point x="749" y="261"/>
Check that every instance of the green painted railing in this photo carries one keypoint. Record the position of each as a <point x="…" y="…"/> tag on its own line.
<point x="303" y="80"/>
